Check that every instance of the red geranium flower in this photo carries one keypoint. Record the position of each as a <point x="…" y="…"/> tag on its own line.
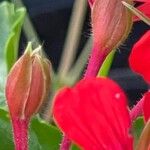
<point x="139" y="59"/>
<point x="94" y="114"/>
<point x="139" y="62"/>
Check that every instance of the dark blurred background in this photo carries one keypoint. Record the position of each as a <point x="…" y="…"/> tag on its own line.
<point x="50" y="19"/>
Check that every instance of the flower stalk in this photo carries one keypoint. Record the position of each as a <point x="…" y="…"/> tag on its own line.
<point x="95" y="62"/>
<point x="20" y="130"/>
<point x="137" y="110"/>
<point x="65" y="145"/>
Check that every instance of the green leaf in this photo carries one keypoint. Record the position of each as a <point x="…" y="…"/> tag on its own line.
<point x="11" y="47"/>
<point x="42" y="135"/>
<point x="48" y="136"/>
<point x="10" y="27"/>
<point x="6" y="142"/>
<point x="104" y="70"/>
<point x="137" y="128"/>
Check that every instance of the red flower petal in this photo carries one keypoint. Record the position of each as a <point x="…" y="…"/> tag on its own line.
<point x="139" y="59"/>
<point x="144" y="8"/>
<point x="146" y="105"/>
<point x="94" y="115"/>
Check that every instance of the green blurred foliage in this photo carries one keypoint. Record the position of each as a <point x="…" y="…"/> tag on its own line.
<point x="10" y="28"/>
<point x="137" y="127"/>
<point x="42" y="135"/>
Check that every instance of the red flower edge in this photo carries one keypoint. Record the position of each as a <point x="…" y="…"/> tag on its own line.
<point x="146" y="105"/>
<point x="94" y="115"/>
<point x="139" y="59"/>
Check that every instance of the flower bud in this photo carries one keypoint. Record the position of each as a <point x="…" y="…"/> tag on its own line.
<point x="28" y="84"/>
<point x="111" y="23"/>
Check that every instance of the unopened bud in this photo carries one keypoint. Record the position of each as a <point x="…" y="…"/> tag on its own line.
<point x="111" y="23"/>
<point x="28" y="84"/>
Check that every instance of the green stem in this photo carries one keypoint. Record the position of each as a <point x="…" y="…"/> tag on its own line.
<point x="28" y="27"/>
<point x="80" y="63"/>
<point x="73" y="37"/>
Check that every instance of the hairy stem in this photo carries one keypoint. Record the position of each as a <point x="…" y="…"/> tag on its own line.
<point x="96" y="60"/>
<point x="20" y="131"/>
<point x="65" y="145"/>
<point x="136" y="111"/>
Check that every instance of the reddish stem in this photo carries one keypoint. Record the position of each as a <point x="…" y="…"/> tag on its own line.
<point x="96" y="60"/>
<point x="137" y="110"/>
<point x="90" y="2"/>
<point x="65" y="145"/>
<point x="20" y="132"/>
